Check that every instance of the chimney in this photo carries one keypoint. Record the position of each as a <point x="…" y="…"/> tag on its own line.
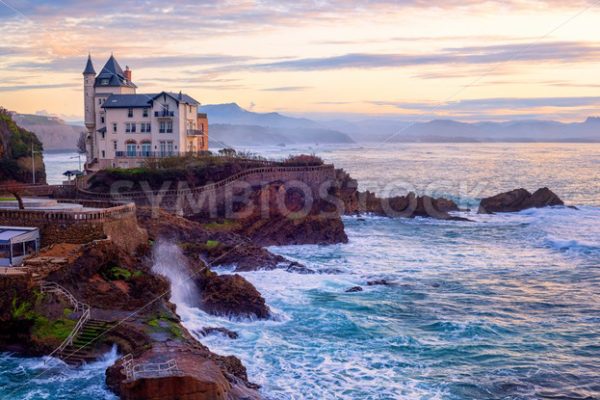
<point x="127" y="73"/>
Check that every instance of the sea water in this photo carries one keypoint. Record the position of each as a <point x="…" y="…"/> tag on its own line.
<point x="505" y="307"/>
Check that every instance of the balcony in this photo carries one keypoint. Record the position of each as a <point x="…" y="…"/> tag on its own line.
<point x="145" y="154"/>
<point x="195" y="132"/>
<point x="164" y="114"/>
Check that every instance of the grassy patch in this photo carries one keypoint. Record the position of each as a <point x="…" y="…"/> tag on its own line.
<point x="7" y="199"/>
<point x="167" y="325"/>
<point x="226" y="225"/>
<point x="117" y="273"/>
<point x="212" y="244"/>
<point x="58" y="329"/>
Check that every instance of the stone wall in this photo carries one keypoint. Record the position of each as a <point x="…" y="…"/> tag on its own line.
<point x="80" y="227"/>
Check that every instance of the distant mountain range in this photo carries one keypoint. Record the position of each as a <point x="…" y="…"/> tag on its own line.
<point x="231" y="125"/>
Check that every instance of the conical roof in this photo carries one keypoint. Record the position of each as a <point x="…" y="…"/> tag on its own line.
<point x="89" y="67"/>
<point x="112" y="75"/>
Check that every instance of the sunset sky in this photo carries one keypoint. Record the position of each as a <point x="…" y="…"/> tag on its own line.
<point x="415" y="59"/>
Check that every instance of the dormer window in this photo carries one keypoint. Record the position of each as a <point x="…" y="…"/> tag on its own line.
<point x="104" y="82"/>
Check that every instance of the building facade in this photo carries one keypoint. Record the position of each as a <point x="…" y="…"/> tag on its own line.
<point x="125" y="128"/>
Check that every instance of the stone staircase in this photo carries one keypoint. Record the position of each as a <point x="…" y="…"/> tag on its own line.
<point x="85" y="342"/>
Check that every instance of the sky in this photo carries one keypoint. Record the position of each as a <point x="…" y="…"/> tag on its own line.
<point x="407" y="59"/>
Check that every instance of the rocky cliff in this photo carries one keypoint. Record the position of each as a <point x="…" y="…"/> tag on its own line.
<point x="54" y="133"/>
<point x="16" y="144"/>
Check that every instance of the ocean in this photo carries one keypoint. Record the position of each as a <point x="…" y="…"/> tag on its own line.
<point x="505" y="307"/>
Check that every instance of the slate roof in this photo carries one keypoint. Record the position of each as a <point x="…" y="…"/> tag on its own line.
<point x="143" y="100"/>
<point x="128" y="101"/>
<point x="113" y="74"/>
<point x="89" y="67"/>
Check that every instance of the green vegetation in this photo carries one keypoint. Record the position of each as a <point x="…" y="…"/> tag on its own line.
<point x="225" y="225"/>
<point x="16" y="143"/>
<point x="212" y="244"/>
<point x="21" y="310"/>
<point x="167" y="325"/>
<point x="58" y="329"/>
<point x="7" y="199"/>
<point x="117" y="273"/>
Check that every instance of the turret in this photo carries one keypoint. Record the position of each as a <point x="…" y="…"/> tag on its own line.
<point x="89" y="75"/>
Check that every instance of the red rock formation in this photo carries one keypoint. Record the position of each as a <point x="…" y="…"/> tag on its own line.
<point x="230" y="295"/>
<point x="198" y="376"/>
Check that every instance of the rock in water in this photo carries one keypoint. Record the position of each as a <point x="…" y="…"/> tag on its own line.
<point x="230" y="295"/>
<point x="518" y="200"/>
<point x="354" y="289"/>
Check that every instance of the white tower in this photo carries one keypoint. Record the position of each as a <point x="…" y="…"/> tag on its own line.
<point x="89" y="76"/>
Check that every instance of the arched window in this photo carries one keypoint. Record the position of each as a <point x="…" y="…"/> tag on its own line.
<point x="146" y="148"/>
<point x="131" y="148"/>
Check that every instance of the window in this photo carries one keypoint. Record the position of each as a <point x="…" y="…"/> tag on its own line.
<point x="145" y="112"/>
<point x="163" y="127"/>
<point x="170" y="148"/>
<point x="17" y="249"/>
<point x="145" y="127"/>
<point x="169" y="126"/>
<point x="130" y="127"/>
<point x="4" y="251"/>
<point x="104" y="82"/>
<point x="103" y="135"/>
<point x="103" y="154"/>
<point x="146" y="149"/>
<point x="130" y="112"/>
<point x="163" y="148"/>
<point x="102" y="119"/>
<point x="100" y="101"/>
<point x="30" y="247"/>
<point x="130" y="149"/>
<point x="114" y="127"/>
<point x="114" y="145"/>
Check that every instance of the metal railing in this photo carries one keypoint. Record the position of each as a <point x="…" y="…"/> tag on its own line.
<point x="84" y="309"/>
<point x="99" y="215"/>
<point x="145" y="154"/>
<point x="130" y="196"/>
<point x="149" y="370"/>
<point x="164" y="113"/>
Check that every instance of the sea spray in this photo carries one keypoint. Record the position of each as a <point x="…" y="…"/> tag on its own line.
<point x="170" y="262"/>
<point x="32" y="378"/>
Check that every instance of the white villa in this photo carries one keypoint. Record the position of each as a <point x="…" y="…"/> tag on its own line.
<point x="125" y="128"/>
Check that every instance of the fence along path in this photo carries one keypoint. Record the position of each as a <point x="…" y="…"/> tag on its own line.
<point x="135" y="371"/>
<point x="211" y="186"/>
<point x="84" y="309"/>
<point x="95" y="215"/>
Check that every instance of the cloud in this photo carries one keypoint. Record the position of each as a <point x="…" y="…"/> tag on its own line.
<point x="17" y="88"/>
<point x="555" y="51"/>
<point x="78" y="62"/>
<point x="286" y="89"/>
<point x="493" y="105"/>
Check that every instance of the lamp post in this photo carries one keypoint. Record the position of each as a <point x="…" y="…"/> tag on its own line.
<point x="33" y="153"/>
<point x="79" y="157"/>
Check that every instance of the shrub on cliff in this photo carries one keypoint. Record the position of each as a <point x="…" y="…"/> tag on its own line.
<point x="15" y="151"/>
<point x="303" y="160"/>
